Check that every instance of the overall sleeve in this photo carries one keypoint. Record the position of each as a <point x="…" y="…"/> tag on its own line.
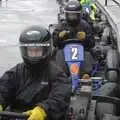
<point x="7" y="87"/>
<point x="59" y="97"/>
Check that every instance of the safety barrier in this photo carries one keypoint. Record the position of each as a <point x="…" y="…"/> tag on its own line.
<point x="114" y="22"/>
<point x="116" y="1"/>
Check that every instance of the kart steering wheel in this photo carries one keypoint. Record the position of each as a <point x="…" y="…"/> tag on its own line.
<point x="13" y="115"/>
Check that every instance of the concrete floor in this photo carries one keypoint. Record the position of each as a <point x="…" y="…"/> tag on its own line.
<point x="14" y="17"/>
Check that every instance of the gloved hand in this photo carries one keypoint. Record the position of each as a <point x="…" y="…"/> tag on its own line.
<point x="1" y="108"/>
<point x="63" y="35"/>
<point x="37" y="113"/>
<point x="86" y="76"/>
<point x="81" y="36"/>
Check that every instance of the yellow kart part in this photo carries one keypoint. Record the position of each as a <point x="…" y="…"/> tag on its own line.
<point x="81" y="36"/>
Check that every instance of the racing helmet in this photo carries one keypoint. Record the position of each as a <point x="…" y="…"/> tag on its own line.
<point x="73" y="11"/>
<point x="35" y="44"/>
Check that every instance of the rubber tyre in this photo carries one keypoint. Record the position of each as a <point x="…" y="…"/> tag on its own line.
<point x="112" y="63"/>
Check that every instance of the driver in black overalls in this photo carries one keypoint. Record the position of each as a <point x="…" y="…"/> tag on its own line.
<point x="71" y="27"/>
<point x="38" y="85"/>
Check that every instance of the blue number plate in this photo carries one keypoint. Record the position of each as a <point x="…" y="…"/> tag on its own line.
<point x="74" y="52"/>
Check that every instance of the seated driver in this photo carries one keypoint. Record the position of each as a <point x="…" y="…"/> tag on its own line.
<point x="72" y="26"/>
<point x="37" y="86"/>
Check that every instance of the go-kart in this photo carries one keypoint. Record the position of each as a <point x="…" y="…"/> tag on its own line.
<point x="105" y="63"/>
<point x="85" y="105"/>
<point x="104" y="67"/>
<point x="104" y="74"/>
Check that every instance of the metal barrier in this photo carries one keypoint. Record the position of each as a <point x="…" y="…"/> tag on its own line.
<point x="118" y="3"/>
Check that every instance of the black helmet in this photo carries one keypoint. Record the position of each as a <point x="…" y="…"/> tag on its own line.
<point x="72" y="11"/>
<point x="36" y="45"/>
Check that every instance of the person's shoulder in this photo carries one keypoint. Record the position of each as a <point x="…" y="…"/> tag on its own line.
<point x="18" y="67"/>
<point x="14" y="68"/>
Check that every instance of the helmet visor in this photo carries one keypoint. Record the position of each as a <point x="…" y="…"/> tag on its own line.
<point x="35" y="52"/>
<point x="72" y="16"/>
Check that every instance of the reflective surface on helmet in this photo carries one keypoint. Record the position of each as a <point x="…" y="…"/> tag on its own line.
<point x="66" y="11"/>
<point x="72" y="16"/>
<point x="35" y="51"/>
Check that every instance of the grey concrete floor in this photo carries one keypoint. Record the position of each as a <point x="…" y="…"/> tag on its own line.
<point x="15" y="15"/>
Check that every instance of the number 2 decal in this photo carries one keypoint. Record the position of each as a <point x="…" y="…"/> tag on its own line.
<point x="74" y="53"/>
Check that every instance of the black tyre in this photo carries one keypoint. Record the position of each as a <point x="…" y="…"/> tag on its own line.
<point x="112" y="65"/>
<point x="104" y="108"/>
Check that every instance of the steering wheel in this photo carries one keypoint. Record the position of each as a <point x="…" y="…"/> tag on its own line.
<point x="13" y="115"/>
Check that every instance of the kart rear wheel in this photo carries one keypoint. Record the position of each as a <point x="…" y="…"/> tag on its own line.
<point x="112" y="62"/>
